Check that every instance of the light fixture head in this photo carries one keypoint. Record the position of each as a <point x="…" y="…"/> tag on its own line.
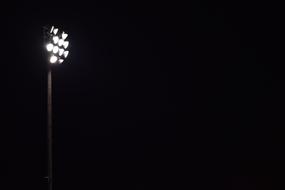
<point x="57" y="46"/>
<point x="60" y="52"/>
<point x="53" y="59"/>
<point x="55" y="49"/>
<point x="65" y="44"/>
<point x="65" y="54"/>
<point x="60" y="61"/>
<point x="49" y="47"/>
<point x="60" y="42"/>
<point x="55" y="39"/>
<point x="64" y="35"/>
<point x="55" y="31"/>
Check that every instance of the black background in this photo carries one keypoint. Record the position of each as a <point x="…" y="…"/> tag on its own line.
<point x="154" y="95"/>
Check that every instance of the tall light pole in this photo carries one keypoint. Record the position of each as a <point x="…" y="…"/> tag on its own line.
<point x="56" y="46"/>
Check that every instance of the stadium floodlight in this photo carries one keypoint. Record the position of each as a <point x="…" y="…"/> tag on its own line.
<point x="65" y="54"/>
<point x="53" y="59"/>
<point x="64" y="35"/>
<point x="49" y="47"/>
<point x="56" y="48"/>
<point x="65" y="44"/>
<point x="55" y="39"/>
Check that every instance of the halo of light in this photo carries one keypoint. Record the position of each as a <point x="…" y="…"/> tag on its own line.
<point x="60" y="60"/>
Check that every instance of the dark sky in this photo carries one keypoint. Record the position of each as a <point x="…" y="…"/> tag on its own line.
<point x="154" y="95"/>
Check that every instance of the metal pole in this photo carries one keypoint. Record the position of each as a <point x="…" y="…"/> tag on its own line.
<point x="49" y="130"/>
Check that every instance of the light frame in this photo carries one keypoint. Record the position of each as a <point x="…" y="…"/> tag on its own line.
<point x="57" y="45"/>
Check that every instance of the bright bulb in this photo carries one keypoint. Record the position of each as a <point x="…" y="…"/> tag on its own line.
<point x="55" y="39"/>
<point x="53" y="59"/>
<point x="60" y="42"/>
<point x="49" y="47"/>
<point x="60" y="61"/>
<point x="51" y="29"/>
<point x="64" y="35"/>
<point x="60" y="51"/>
<point x="55" y="31"/>
<point x="55" y="49"/>
<point x="65" y="44"/>
<point x="65" y="53"/>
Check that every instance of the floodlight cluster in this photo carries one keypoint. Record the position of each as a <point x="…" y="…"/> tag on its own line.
<point x="57" y="46"/>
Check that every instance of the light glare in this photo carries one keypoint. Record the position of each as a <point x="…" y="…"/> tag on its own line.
<point x="53" y="59"/>
<point x="49" y="47"/>
<point x="60" y="61"/>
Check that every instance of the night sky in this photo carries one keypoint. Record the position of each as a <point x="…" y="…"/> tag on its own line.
<point x="153" y="95"/>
